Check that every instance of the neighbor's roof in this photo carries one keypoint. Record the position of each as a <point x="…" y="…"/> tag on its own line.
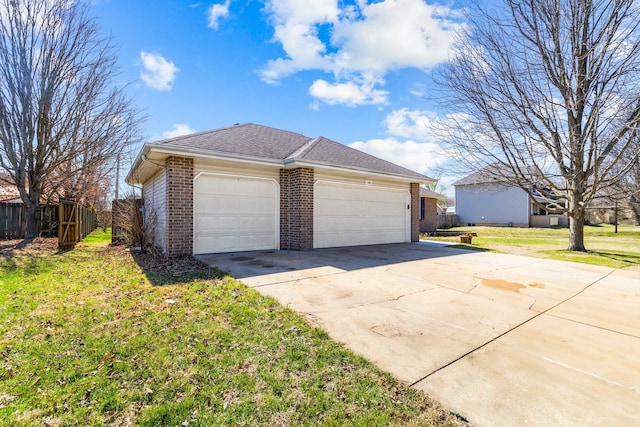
<point x="261" y="143"/>
<point x="492" y="174"/>
<point x="9" y="193"/>
<point x="429" y="194"/>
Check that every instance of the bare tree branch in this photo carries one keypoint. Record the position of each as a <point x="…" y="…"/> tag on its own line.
<point x="549" y="91"/>
<point x="63" y="117"/>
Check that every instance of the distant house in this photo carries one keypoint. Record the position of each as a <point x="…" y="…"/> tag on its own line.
<point x="9" y="193"/>
<point x="483" y="200"/>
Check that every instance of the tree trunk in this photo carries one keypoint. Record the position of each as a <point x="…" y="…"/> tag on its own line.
<point x="576" y="228"/>
<point x="31" y="208"/>
<point x="635" y="207"/>
<point x="31" y="216"/>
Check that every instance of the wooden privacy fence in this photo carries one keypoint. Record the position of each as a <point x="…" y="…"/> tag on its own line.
<point x="12" y="217"/>
<point x="447" y="221"/>
<point x="76" y="221"/>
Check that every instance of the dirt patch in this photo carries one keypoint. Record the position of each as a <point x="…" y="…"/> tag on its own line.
<point x="503" y="285"/>
<point x="39" y="245"/>
<point x="159" y="263"/>
<point x="536" y="285"/>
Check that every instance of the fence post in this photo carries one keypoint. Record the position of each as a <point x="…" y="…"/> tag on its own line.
<point x="3" y="220"/>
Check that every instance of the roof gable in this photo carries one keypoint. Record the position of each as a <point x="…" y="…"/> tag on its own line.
<point x="246" y="140"/>
<point x="274" y="145"/>
<point x="492" y="174"/>
<point x="429" y="194"/>
<point x="326" y="151"/>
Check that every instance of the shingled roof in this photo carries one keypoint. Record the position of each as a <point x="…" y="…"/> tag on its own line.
<point x="268" y="144"/>
<point x="492" y="174"/>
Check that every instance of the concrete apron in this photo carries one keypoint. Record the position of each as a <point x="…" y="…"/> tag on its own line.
<point x="504" y="340"/>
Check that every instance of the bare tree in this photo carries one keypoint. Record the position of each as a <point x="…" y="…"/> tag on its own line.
<point x="548" y="95"/>
<point x="62" y="115"/>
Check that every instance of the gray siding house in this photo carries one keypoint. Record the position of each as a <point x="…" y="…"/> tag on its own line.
<point x="483" y="201"/>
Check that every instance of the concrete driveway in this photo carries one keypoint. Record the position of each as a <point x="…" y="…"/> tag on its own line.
<point x="504" y="340"/>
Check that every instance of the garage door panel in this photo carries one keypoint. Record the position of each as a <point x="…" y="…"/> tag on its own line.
<point x="349" y="215"/>
<point x="235" y="214"/>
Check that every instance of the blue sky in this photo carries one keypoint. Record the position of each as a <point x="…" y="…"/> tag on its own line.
<point x="358" y="72"/>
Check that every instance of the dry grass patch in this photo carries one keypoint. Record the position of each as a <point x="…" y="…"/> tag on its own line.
<point x="605" y="247"/>
<point x="101" y="336"/>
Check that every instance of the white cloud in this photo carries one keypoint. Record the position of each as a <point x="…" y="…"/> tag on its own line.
<point x="296" y="25"/>
<point x="179" y="129"/>
<point x="410" y="123"/>
<point x="218" y="12"/>
<point x="394" y="34"/>
<point x="357" y="43"/>
<point x="413" y="143"/>
<point x="158" y="73"/>
<point x="418" y="89"/>
<point x="349" y="93"/>
<point x="417" y="156"/>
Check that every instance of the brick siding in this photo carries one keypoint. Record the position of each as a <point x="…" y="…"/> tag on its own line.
<point x="296" y="209"/>
<point x="430" y="221"/>
<point x="284" y="209"/>
<point x="179" y="227"/>
<point x="414" y="188"/>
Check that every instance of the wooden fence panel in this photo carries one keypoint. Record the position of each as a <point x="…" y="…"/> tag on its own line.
<point x="88" y="221"/>
<point x="75" y="223"/>
<point x="68" y="224"/>
<point x="48" y="221"/>
<point x="11" y="216"/>
<point x="447" y="221"/>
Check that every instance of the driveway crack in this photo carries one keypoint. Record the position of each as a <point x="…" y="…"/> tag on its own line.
<point x="399" y="297"/>
<point x="446" y="365"/>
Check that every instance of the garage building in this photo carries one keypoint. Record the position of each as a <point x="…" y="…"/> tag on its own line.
<point x="251" y="187"/>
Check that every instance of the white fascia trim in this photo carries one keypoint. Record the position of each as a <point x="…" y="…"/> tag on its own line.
<point x="289" y="164"/>
<point x="359" y="184"/>
<point x="147" y="150"/>
<point x="137" y="163"/>
<point x="209" y="156"/>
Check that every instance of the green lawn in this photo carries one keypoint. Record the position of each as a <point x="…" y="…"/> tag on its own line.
<point x="96" y="336"/>
<point x="604" y="246"/>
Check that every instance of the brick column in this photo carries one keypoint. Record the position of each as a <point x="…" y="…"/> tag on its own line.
<point x="285" y="214"/>
<point x="179" y="228"/>
<point x="414" y="188"/>
<point x="296" y="209"/>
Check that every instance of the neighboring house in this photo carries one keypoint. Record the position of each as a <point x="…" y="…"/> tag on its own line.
<point x="250" y="187"/>
<point x="429" y="210"/>
<point x="9" y="193"/>
<point x="485" y="201"/>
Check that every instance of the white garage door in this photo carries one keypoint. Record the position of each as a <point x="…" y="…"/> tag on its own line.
<point x="350" y="215"/>
<point x="235" y="214"/>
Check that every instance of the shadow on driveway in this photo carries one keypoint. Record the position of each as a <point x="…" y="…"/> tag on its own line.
<point x="242" y="265"/>
<point x="506" y="340"/>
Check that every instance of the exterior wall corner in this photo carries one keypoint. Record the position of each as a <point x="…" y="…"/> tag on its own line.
<point x="414" y="189"/>
<point x="179" y="208"/>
